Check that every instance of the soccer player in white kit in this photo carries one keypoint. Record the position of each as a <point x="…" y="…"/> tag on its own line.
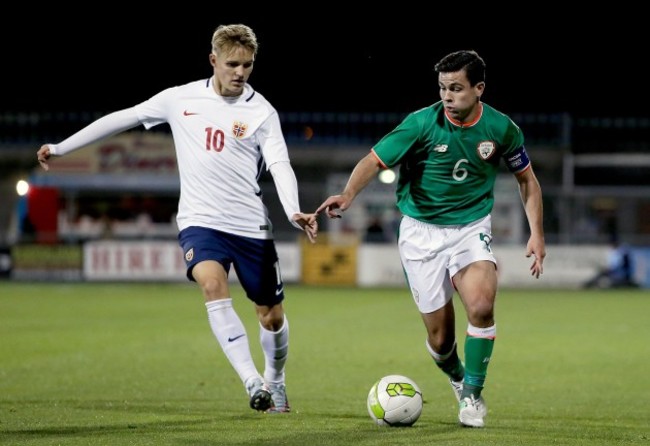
<point x="225" y="133"/>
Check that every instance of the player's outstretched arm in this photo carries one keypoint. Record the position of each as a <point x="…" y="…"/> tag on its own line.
<point x="362" y="174"/>
<point x="101" y="128"/>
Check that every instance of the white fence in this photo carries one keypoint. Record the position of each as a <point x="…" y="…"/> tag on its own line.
<point x="376" y="264"/>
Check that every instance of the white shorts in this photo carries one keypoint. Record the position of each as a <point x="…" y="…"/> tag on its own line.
<point x="432" y="254"/>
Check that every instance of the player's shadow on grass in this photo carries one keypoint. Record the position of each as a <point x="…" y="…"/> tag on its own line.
<point x="199" y="423"/>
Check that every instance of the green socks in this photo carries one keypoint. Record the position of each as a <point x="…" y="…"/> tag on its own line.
<point x="478" y="351"/>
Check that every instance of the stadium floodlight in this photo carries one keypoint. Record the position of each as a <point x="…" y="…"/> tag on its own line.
<point x="22" y="187"/>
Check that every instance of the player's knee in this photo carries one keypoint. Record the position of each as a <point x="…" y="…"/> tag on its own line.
<point x="212" y="289"/>
<point x="441" y="342"/>
<point x="481" y="312"/>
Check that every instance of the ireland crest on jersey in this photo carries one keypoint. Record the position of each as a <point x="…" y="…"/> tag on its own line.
<point x="486" y="149"/>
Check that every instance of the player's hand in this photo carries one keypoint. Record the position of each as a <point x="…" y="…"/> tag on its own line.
<point x="537" y="250"/>
<point x="308" y="223"/>
<point x="43" y="155"/>
<point x="333" y="204"/>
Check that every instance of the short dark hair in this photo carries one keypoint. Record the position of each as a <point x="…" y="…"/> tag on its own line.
<point x="467" y="60"/>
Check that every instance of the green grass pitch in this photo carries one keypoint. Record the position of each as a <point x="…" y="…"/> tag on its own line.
<point x="136" y="364"/>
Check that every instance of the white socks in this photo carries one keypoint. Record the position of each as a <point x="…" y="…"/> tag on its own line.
<point x="276" y="348"/>
<point x="231" y="334"/>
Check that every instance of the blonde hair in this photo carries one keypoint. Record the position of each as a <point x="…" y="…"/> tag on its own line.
<point x="227" y="37"/>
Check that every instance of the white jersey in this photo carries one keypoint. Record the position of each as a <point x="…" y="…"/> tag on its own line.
<point x="222" y="146"/>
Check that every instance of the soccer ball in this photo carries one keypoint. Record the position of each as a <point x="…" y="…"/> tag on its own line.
<point x="395" y="400"/>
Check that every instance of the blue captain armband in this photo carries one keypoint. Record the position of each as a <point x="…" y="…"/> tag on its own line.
<point x="517" y="161"/>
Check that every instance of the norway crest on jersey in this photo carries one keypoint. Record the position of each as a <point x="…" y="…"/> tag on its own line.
<point x="239" y="129"/>
<point x="189" y="255"/>
<point x="486" y="149"/>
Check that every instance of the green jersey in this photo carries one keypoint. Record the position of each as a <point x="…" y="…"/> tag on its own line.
<point x="447" y="168"/>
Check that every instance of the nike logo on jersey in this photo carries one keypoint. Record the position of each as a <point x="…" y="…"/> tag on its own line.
<point x="186" y="113"/>
<point x="440" y="148"/>
<point x="236" y="337"/>
<point x="279" y="291"/>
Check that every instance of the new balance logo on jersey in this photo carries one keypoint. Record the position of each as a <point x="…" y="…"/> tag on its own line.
<point x="442" y="148"/>
<point x="186" y="113"/>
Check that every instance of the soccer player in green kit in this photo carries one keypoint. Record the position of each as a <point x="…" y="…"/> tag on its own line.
<point x="449" y="155"/>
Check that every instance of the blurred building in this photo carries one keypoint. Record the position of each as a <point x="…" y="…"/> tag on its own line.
<point x="595" y="174"/>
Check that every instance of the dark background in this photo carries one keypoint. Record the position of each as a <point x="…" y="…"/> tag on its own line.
<point x="330" y="58"/>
